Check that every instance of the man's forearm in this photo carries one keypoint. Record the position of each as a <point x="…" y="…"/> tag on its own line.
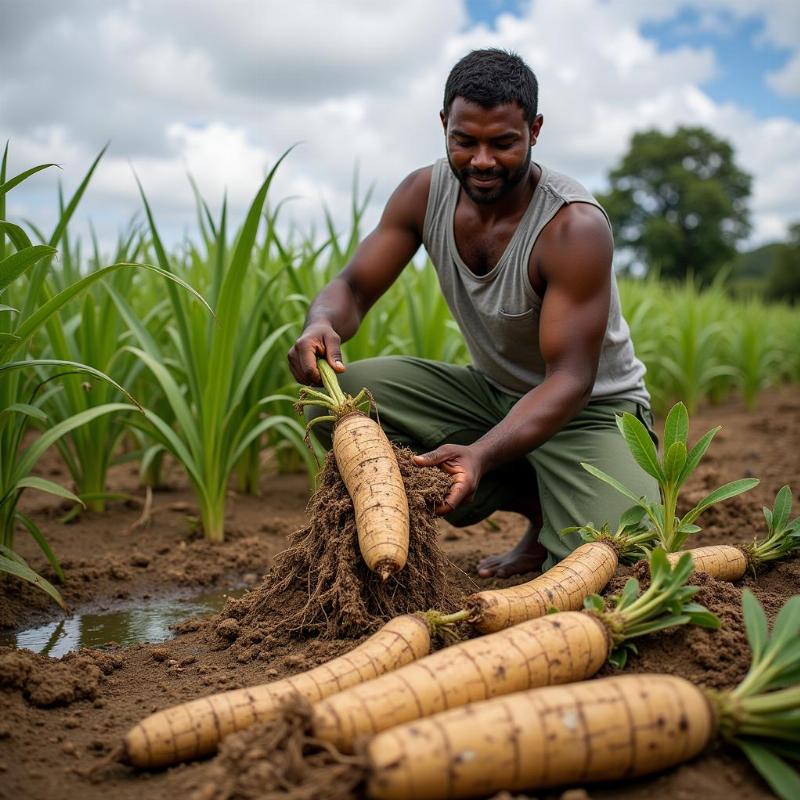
<point x="536" y="417"/>
<point x="336" y="305"/>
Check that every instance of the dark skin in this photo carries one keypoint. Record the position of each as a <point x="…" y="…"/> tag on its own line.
<point x="570" y="269"/>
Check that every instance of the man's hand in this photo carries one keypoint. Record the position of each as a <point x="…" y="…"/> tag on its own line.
<point x="318" y="339"/>
<point x="463" y="465"/>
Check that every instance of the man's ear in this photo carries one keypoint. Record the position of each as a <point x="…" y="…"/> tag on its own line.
<point x="443" y="118"/>
<point x="536" y="127"/>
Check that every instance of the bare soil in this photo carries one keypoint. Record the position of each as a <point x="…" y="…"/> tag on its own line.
<point x="58" y="717"/>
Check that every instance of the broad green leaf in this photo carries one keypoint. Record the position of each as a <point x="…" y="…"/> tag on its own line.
<point x="782" y="779"/>
<point x="24" y="572"/>
<point x="724" y="492"/>
<point x="630" y="591"/>
<point x="782" y="508"/>
<point x="594" y="602"/>
<point x="633" y="516"/>
<point x="703" y="619"/>
<point x="641" y="446"/>
<point x="674" y="461"/>
<point x="598" y="473"/>
<point x="676" y="426"/>
<point x="787" y="623"/>
<point x="768" y="517"/>
<point x="755" y="621"/>
<point x="696" y="454"/>
<point x="18" y="237"/>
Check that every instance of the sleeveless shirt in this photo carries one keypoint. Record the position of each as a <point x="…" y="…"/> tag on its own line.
<point x="498" y="313"/>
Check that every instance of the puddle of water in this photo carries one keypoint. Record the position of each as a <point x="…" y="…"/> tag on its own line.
<point x="148" y="621"/>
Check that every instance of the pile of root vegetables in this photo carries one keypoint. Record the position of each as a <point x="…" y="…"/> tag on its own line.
<point x="497" y="695"/>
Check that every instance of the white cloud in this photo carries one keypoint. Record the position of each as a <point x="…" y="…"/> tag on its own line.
<point x="786" y="81"/>
<point x="223" y="90"/>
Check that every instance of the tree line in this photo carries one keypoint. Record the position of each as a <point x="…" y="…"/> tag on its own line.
<point x="679" y="206"/>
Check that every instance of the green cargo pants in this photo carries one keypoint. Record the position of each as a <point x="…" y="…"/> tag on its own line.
<point x="424" y="404"/>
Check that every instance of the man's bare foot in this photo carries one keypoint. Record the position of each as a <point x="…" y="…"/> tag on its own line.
<point x="526" y="556"/>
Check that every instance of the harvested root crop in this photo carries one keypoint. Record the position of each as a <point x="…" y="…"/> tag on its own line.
<point x="606" y="729"/>
<point x="192" y="730"/>
<point x="369" y="469"/>
<point x="320" y="585"/>
<point x="731" y="562"/>
<point x="555" y="649"/>
<point x="563" y="587"/>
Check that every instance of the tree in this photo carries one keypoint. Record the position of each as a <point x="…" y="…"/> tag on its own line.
<point x="783" y="281"/>
<point x="678" y="203"/>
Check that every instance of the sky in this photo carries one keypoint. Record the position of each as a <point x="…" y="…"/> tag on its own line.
<point x="220" y="90"/>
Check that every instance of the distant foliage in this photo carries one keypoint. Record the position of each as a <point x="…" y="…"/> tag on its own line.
<point x="678" y="203"/>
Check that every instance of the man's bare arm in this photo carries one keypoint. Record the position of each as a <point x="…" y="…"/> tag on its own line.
<point x="337" y="311"/>
<point x="575" y="256"/>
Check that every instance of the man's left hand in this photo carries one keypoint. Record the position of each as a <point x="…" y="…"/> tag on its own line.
<point x="464" y="467"/>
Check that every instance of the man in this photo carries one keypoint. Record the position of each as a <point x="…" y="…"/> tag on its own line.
<point x="523" y="255"/>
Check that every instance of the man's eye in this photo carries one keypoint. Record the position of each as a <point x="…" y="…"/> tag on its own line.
<point x="504" y="145"/>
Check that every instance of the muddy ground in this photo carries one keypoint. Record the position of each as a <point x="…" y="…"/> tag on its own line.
<point x="58" y="717"/>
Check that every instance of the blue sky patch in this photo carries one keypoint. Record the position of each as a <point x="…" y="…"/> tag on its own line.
<point x="743" y="58"/>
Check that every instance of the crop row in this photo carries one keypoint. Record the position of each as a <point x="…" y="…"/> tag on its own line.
<point x="153" y="352"/>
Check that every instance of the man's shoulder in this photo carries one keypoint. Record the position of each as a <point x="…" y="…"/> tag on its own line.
<point x="418" y="182"/>
<point x="565" y="186"/>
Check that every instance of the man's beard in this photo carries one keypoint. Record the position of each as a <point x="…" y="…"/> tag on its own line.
<point x="507" y="180"/>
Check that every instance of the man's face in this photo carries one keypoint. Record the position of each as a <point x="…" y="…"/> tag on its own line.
<point x="489" y="149"/>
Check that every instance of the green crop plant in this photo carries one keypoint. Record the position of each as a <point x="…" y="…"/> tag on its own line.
<point x="761" y="715"/>
<point x="212" y="367"/>
<point x="755" y="355"/>
<point x="672" y="471"/>
<point x="27" y="384"/>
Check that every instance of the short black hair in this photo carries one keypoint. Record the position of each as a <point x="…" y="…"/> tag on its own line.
<point x="490" y="78"/>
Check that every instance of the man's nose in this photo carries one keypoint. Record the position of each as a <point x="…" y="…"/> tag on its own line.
<point x="483" y="159"/>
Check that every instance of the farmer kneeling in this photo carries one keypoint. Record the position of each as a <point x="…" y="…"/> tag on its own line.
<point x="523" y="256"/>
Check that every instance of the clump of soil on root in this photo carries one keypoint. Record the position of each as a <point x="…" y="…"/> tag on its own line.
<point x="320" y="586"/>
<point x="277" y="759"/>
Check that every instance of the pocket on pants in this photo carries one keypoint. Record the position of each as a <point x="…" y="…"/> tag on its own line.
<point x="645" y="416"/>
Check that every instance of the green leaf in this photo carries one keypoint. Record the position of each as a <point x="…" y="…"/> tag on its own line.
<point x="44" y="545"/>
<point x="6" y="187"/>
<point x="11" y="267"/>
<point x="703" y="619"/>
<point x="768" y="517"/>
<point x="26" y="409"/>
<point x="641" y="446"/>
<point x="674" y="461"/>
<point x="782" y="779"/>
<point x="724" y="492"/>
<point x="632" y="517"/>
<point x="24" y="572"/>
<point x="629" y="592"/>
<point x="676" y="426"/>
<point x="594" y="603"/>
<point x="613" y="482"/>
<point x="787" y="624"/>
<point x="696" y="454"/>
<point x="782" y="508"/>
<point x="755" y="622"/>
<point x="18" y="237"/>
<point x="50" y="436"/>
<point x="619" y="657"/>
<point x="43" y="485"/>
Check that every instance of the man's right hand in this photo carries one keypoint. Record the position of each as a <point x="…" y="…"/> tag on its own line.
<point x="318" y="340"/>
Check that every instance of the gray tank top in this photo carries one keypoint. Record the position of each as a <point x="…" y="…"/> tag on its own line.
<point x="498" y="313"/>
